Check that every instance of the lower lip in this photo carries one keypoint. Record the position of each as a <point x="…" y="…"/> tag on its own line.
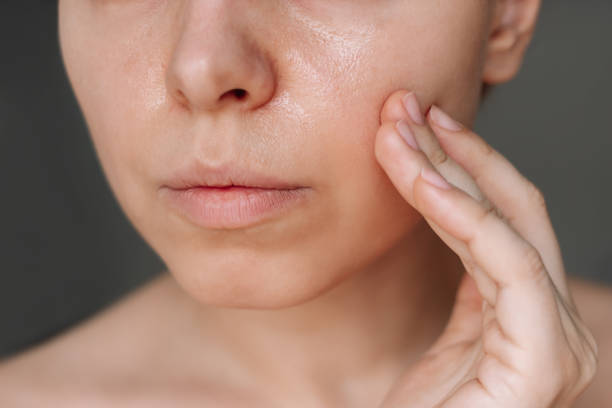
<point x="232" y="207"/>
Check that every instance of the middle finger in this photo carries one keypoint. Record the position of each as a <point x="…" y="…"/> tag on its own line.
<point x="404" y="105"/>
<point x="480" y="181"/>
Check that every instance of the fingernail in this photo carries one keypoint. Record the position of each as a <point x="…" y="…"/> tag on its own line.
<point x="432" y="177"/>
<point x="404" y="130"/>
<point x="443" y="120"/>
<point x="412" y="107"/>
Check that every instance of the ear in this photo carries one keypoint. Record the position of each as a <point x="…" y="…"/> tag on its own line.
<point x="511" y="30"/>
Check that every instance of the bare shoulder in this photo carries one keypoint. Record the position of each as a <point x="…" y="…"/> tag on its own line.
<point x="133" y="353"/>
<point x="594" y="302"/>
<point x="85" y="364"/>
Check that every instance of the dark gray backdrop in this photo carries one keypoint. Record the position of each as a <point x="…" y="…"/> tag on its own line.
<point x="67" y="250"/>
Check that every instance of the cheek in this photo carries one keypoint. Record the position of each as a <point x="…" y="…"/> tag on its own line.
<point x="120" y="86"/>
<point x="325" y="119"/>
<point x="437" y="51"/>
<point x="342" y="77"/>
<point x="440" y="54"/>
<point x="343" y="73"/>
<point x="336" y="80"/>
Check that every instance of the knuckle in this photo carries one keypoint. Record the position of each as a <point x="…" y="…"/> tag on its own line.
<point x="572" y="369"/>
<point x="499" y="379"/>
<point x="491" y="208"/>
<point x="483" y="153"/>
<point x="483" y="221"/>
<point x="533" y="264"/>
<point x="589" y="370"/>
<point x="594" y="346"/>
<point x="591" y="366"/>
<point x="556" y="383"/>
<point x="589" y="342"/>
<point x="578" y="372"/>
<point x="578" y="368"/>
<point x="491" y="329"/>
<point x="438" y="156"/>
<point x="581" y="373"/>
<point x="488" y="214"/>
<point x="486" y="149"/>
<point x="590" y="363"/>
<point x="579" y="359"/>
<point x="535" y="196"/>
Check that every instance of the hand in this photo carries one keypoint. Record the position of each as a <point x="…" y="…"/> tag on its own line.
<point x="515" y="338"/>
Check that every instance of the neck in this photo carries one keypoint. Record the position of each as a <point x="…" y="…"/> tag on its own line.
<point x="367" y="328"/>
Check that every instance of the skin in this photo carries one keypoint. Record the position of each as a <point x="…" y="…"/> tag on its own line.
<point x="379" y="311"/>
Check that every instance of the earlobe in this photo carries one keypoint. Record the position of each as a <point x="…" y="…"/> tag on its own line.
<point x="511" y="31"/>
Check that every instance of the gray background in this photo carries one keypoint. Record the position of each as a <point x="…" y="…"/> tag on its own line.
<point x="67" y="250"/>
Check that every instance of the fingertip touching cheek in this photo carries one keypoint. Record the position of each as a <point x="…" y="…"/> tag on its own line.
<point x="290" y="90"/>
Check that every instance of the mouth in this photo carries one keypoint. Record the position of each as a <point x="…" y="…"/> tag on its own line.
<point x="226" y="176"/>
<point x="230" y="197"/>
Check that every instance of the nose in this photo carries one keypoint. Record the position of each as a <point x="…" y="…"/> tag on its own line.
<point x="216" y="64"/>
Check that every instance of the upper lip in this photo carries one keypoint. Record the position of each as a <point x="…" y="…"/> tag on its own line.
<point x="197" y="174"/>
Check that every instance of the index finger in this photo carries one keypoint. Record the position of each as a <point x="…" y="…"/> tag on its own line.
<point x="396" y="107"/>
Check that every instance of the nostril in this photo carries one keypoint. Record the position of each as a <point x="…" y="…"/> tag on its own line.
<point x="240" y="93"/>
<point x="237" y="93"/>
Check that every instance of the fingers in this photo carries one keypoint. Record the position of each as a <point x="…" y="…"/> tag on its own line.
<point x="521" y="203"/>
<point x="469" y="163"/>
<point x="527" y="334"/>
<point x="511" y="274"/>
<point x="403" y="165"/>
<point x="404" y="105"/>
<point x="522" y="294"/>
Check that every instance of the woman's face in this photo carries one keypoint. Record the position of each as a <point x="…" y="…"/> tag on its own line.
<point x="154" y="80"/>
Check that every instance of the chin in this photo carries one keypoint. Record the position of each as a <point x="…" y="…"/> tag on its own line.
<point x="249" y="281"/>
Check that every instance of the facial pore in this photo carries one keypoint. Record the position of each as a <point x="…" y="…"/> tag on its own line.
<point x="152" y="76"/>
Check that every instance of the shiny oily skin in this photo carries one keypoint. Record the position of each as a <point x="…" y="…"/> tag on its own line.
<point x="329" y="64"/>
